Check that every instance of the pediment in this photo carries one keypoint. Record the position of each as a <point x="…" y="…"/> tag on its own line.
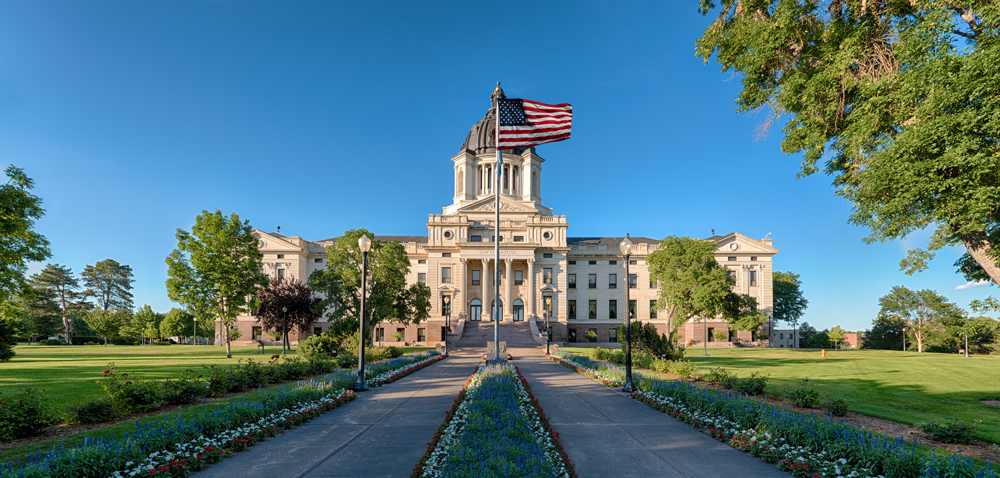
<point x="488" y="205"/>
<point x="271" y="242"/>
<point x="735" y="242"/>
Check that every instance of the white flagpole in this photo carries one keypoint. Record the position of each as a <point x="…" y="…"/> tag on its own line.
<point x="496" y="237"/>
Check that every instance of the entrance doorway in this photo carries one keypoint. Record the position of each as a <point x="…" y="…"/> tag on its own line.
<point x="475" y="310"/>
<point x="518" y="310"/>
<point x="499" y="313"/>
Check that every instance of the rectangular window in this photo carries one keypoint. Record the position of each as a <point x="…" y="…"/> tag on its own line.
<point x="401" y="333"/>
<point x="631" y="309"/>
<point x="613" y="335"/>
<point x="547" y="275"/>
<point x="281" y="256"/>
<point x="444" y="332"/>
<point x="733" y="275"/>
<point x="612" y="309"/>
<point x="572" y="309"/>
<point x="612" y="263"/>
<point x="281" y="273"/>
<point x="753" y="278"/>
<point x="446" y="275"/>
<point x="731" y="258"/>
<point x="421" y="278"/>
<point x="318" y="261"/>
<point x="421" y="334"/>
<point x="256" y="332"/>
<point x="612" y="281"/>
<point x="571" y="281"/>
<point x="475" y="277"/>
<point x="572" y="263"/>
<point x="380" y="334"/>
<point x="753" y="258"/>
<point x="318" y="330"/>
<point x="592" y="333"/>
<point x="518" y="277"/>
<point x="652" y="309"/>
<point x="518" y="238"/>
<point x="592" y="281"/>
<point x="632" y="263"/>
<point x="445" y="254"/>
<point x="652" y="283"/>
<point x="475" y="238"/>
<point x="592" y="309"/>
<point x="592" y="263"/>
<point x="421" y="261"/>
<point x="572" y="335"/>
<point x="546" y="256"/>
<point x="633" y="280"/>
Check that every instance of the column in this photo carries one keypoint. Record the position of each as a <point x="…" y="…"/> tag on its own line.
<point x="507" y="303"/>
<point x="531" y="289"/>
<point x="460" y="308"/>
<point x="485" y="280"/>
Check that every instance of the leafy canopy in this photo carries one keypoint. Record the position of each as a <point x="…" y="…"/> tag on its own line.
<point x="897" y="98"/>
<point x="923" y="311"/>
<point x="789" y="302"/>
<point x="111" y="283"/>
<point x="19" y="243"/>
<point x="292" y="295"/>
<point x="106" y="323"/>
<point x="691" y="283"/>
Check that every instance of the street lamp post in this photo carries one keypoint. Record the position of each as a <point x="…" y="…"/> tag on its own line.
<point x="447" y="321"/>
<point x="284" y="329"/>
<point x="194" y="331"/>
<point x="626" y="248"/>
<point x="966" y="314"/>
<point x="365" y="244"/>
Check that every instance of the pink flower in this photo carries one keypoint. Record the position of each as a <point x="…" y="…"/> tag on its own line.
<point x="106" y="372"/>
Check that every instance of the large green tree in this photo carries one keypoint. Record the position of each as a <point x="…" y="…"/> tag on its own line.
<point x="388" y="297"/>
<point x="111" y="283"/>
<point x="216" y="269"/>
<point x="14" y="322"/>
<point x="743" y="313"/>
<point x="177" y="323"/>
<point x="898" y="97"/>
<point x="44" y="311"/>
<point x="64" y="286"/>
<point x="924" y="311"/>
<point x="287" y="302"/>
<point x="19" y="243"/>
<point x="887" y="333"/>
<point x="692" y="285"/>
<point x="107" y="323"/>
<point x="789" y="302"/>
<point x="145" y="323"/>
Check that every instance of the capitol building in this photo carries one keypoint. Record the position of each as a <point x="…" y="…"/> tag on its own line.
<point x="578" y="282"/>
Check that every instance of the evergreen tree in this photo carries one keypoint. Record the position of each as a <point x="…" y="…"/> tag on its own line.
<point x="111" y="283"/>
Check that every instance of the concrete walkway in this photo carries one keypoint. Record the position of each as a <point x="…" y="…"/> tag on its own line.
<point x="606" y="433"/>
<point x="383" y="432"/>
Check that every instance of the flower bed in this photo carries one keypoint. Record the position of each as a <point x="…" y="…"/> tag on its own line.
<point x="176" y="447"/>
<point x="804" y="446"/>
<point x="607" y="374"/>
<point x="495" y="428"/>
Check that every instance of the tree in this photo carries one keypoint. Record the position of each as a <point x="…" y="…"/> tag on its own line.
<point x="145" y="323"/>
<point x="692" y="284"/>
<point x="43" y="310"/>
<point x="177" y="323"/>
<point x="923" y="310"/>
<point x="19" y="243"/>
<point x="388" y="297"/>
<point x="887" y="333"/>
<point x="216" y="269"/>
<point x="819" y="340"/>
<point x="111" y="283"/>
<point x="294" y="296"/>
<point x="897" y="96"/>
<point x="106" y="322"/>
<point x="742" y="313"/>
<point x="64" y="286"/>
<point x="14" y="322"/>
<point x="836" y="335"/>
<point x="806" y="332"/>
<point x="789" y="302"/>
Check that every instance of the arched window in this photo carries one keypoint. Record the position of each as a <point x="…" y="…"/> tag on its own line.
<point x="518" y="310"/>
<point x="494" y="305"/>
<point x="460" y="184"/>
<point x="475" y="310"/>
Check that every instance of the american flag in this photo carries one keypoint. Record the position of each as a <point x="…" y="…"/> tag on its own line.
<point x="526" y="123"/>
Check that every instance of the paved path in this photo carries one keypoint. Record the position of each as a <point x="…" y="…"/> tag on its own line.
<point x="606" y="433"/>
<point x="382" y="433"/>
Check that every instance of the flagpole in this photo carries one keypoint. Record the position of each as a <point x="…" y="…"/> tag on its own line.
<point x="496" y="236"/>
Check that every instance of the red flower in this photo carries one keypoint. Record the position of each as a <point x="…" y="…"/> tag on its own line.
<point x="106" y="372"/>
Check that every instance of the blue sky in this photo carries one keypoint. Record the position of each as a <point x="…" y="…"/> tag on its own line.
<point x="133" y="117"/>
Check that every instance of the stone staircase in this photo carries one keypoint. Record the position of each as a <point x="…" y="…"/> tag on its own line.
<point x="517" y="336"/>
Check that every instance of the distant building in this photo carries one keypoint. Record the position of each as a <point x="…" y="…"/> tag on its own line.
<point x="854" y="340"/>
<point x="785" y="339"/>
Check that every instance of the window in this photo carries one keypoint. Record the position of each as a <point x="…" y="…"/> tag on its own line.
<point x="318" y="261"/>
<point x="547" y="275"/>
<point x="518" y="238"/>
<point x="421" y="334"/>
<point x="633" y="280"/>
<point x="495" y="238"/>
<point x="631" y="309"/>
<point x="446" y="275"/>
<point x="613" y="335"/>
<point x="652" y="309"/>
<point x="444" y="333"/>
<point x="256" y="332"/>
<point x="753" y="258"/>
<point x="447" y="235"/>
<point x="612" y="263"/>
<point x="592" y="309"/>
<point x="518" y="277"/>
<point x="281" y="256"/>
<point x="380" y="334"/>
<point x="421" y="261"/>
<point x="593" y="263"/>
<point x="546" y="256"/>
<point x="281" y="273"/>
<point x="572" y="263"/>
<point x="753" y="278"/>
<point x="612" y="309"/>
<point x="592" y="281"/>
<point x="731" y="258"/>
<point x="445" y="254"/>
<point x="572" y="309"/>
<point x="633" y="263"/>
<point x="594" y="335"/>
<point x="475" y="238"/>
<point x="475" y="277"/>
<point x="401" y="333"/>
<point x="422" y="277"/>
<point x="317" y="330"/>
<point x="612" y="281"/>
<point x="781" y="336"/>
<point x="572" y="335"/>
<point x="571" y="281"/>
<point x="732" y="274"/>
<point x="546" y="235"/>
<point x="652" y="283"/>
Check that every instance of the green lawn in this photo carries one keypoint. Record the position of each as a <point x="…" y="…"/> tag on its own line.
<point x="906" y="387"/>
<point x="69" y="373"/>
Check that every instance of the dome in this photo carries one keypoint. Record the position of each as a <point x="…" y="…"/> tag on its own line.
<point x="482" y="137"/>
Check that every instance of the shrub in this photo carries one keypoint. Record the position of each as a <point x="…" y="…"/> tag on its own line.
<point x="752" y="385"/>
<point x="291" y="369"/>
<point x="718" y="375"/>
<point x="950" y="431"/>
<point x="720" y="335"/>
<point x="316" y="347"/>
<point x="123" y="340"/>
<point x="836" y="405"/>
<point x="131" y="394"/>
<point x="54" y="342"/>
<point x="684" y="368"/>
<point x="804" y="395"/>
<point x="24" y="413"/>
<point x="97" y="410"/>
<point x="6" y="353"/>
<point x="184" y="389"/>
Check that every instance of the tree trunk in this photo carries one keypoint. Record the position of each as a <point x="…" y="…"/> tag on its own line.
<point x="979" y="247"/>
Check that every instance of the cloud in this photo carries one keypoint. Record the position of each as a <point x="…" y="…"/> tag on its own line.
<point x="971" y="284"/>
